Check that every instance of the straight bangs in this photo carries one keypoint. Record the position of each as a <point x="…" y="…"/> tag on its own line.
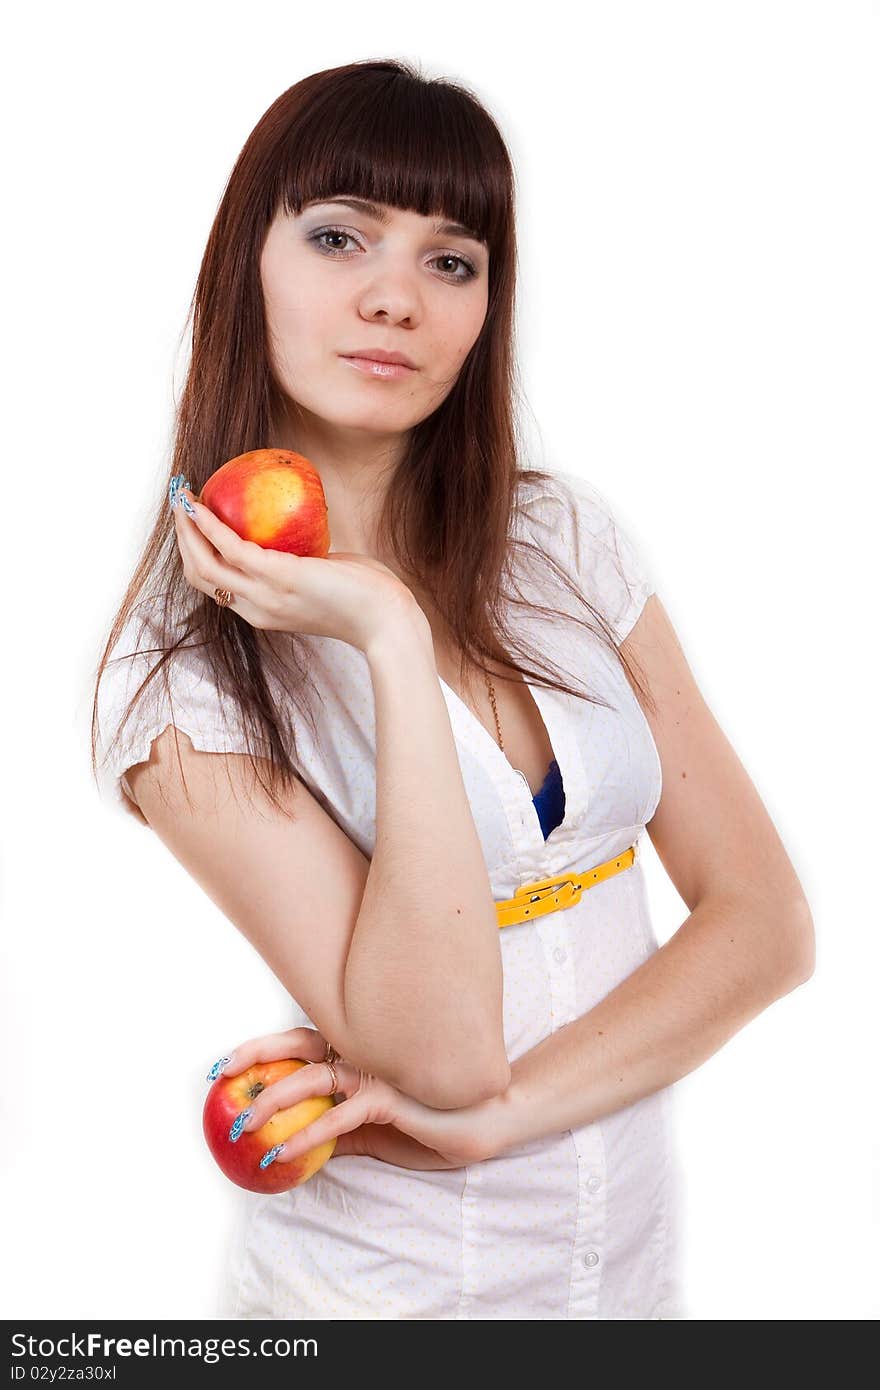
<point x="394" y="139"/>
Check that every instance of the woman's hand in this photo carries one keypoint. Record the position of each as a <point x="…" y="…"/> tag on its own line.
<point x="345" y="595"/>
<point x="370" y="1116"/>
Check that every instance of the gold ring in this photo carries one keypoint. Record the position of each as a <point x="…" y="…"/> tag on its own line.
<point x="334" y="1078"/>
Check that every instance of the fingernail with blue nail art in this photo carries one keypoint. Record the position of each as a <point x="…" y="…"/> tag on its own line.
<point x="177" y="482"/>
<point x="271" y="1156"/>
<point x="217" y="1068"/>
<point x="238" y="1124"/>
<point x="175" y="494"/>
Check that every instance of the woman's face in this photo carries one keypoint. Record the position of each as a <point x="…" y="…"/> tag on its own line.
<point x="385" y="279"/>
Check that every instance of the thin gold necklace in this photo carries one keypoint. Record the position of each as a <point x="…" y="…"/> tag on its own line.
<point x="491" y="690"/>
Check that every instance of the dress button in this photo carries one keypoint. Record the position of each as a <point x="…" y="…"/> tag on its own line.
<point x="593" y="1184"/>
<point x="559" y="955"/>
<point x="590" y="1259"/>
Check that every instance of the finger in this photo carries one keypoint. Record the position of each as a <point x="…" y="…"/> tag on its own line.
<point x="204" y="566"/>
<point x="245" y="556"/>
<point x="302" y="1044"/>
<point x="340" y="1120"/>
<point x="314" y="1080"/>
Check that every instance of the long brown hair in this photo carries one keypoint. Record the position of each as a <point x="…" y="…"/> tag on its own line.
<point x="381" y="131"/>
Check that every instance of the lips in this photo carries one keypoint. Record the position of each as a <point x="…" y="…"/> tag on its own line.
<point x="381" y="355"/>
<point x="378" y="370"/>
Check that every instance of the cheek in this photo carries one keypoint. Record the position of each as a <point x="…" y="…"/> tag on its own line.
<point x="457" y="342"/>
<point x="469" y="327"/>
<point x="290" y="321"/>
<point x="287" y="308"/>
<point x="291" y="294"/>
<point x="479" y="317"/>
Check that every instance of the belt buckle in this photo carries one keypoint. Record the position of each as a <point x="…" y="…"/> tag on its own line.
<point x="542" y="887"/>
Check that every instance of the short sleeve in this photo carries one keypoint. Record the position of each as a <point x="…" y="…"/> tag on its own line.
<point x="196" y="706"/>
<point x="612" y="573"/>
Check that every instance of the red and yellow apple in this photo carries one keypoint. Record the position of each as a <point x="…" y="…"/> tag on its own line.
<point x="240" y="1161"/>
<point x="273" y="497"/>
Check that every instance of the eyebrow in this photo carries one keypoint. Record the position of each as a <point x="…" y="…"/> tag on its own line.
<point x="379" y="214"/>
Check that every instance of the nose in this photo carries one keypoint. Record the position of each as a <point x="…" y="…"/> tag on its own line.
<point x="391" y="296"/>
<point x="387" y="316"/>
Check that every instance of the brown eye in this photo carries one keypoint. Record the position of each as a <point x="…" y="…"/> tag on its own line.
<point x="340" y="233"/>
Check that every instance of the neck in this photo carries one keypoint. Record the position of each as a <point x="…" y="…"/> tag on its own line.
<point x="355" y="468"/>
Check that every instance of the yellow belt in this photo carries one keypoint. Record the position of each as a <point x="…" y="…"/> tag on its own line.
<point x="551" y="894"/>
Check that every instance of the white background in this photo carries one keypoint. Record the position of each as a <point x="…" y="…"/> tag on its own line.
<point x="698" y="325"/>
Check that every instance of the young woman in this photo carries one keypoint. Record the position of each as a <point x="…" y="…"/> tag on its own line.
<point x="415" y="773"/>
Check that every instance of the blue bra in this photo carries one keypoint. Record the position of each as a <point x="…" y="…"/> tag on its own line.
<point x="550" y="800"/>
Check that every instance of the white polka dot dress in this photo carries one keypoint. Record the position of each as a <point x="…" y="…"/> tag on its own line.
<point x="583" y="1224"/>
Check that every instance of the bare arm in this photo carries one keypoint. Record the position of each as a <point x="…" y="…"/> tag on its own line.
<point x="396" y="960"/>
<point x="749" y="938"/>
<point x="726" y="963"/>
<point x="423" y="979"/>
<point x="305" y="896"/>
